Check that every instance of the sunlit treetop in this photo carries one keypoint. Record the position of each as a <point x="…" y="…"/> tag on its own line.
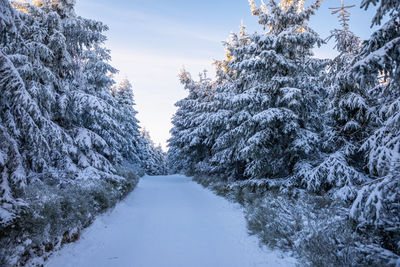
<point x="287" y="14"/>
<point x="346" y="41"/>
<point x="65" y="8"/>
<point x="285" y="4"/>
<point x="343" y="14"/>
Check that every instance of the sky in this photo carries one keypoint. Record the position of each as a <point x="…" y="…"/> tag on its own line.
<point x="150" y="41"/>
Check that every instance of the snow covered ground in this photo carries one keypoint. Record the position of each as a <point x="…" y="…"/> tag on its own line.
<point x="169" y="221"/>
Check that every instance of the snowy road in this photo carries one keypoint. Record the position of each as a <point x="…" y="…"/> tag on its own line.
<point x="169" y="221"/>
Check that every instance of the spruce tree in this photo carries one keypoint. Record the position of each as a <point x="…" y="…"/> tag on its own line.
<point x="155" y="158"/>
<point x="188" y="135"/>
<point x="381" y="60"/>
<point x="133" y="149"/>
<point x="262" y="117"/>
<point x="31" y="141"/>
<point x="347" y="118"/>
<point x="58" y="118"/>
<point x="376" y="206"/>
<point x="227" y="109"/>
<point x="275" y="94"/>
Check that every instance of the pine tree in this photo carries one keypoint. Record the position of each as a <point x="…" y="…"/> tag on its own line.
<point x="226" y="109"/>
<point x="377" y="202"/>
<point x="8" y="146"/>
<point x="133" y="150"/>
<point x="347" y="119"/>
<point x="262" y="117"/>
<point x="12" y="169"/>
<point x="381" y="59"/>
<point x="155" y="158"/>
<point x="30" y="139"/>
<point x="273" y="101"/>
<point x="188" y="135"/>
<point x="60" y="126"/>
<point x="58" y="117"/>
<point x="33" y="54"/>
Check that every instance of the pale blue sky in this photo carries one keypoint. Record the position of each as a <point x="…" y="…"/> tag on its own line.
<point x="151" y="39"/>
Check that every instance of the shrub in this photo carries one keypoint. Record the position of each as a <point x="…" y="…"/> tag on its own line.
<point x="56" y="213"/>
<point x="315" y="228"/>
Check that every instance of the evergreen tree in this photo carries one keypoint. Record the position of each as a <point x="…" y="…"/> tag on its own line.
<point x="14" y="101"/>
<point x="227" y="110"/>
<point x="260" y="117"/>
<point x="134" y="149"/>
<point x="347" y="119"/>
<point x="187" y="143"/>
<point x="60" y="125"/>
<point x="381" y="60"/>
<point x="330" y="126"/>
<point x="273" y="101"/>
<point x="377" y="203"/>
<point x="155" y="158"/>
<point x="30" y="139"/>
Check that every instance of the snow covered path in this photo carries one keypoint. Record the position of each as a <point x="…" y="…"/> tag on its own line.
<point x="169" y="221"/>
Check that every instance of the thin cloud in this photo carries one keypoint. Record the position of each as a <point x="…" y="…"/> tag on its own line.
<point x="157" y="23"/>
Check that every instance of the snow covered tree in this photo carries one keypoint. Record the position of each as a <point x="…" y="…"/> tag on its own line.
<point x="9" y="80"/>
<point x="94" y="118"/>
<point x="30" y="139"/>
<point x="226" y="108"/>
<point x="124" y="93"/>
<point x="349" y="103"/>
<point x="33" y="55"/>
<point x="8" y="19"/>
<point x="155" y="158"/>
<point x="134" y="149"/>
<point x="260" y="117"/>
<point x="377" y="202"/>
<point x="60" y="125"/>
<point x="381" y="60"/>
<point x="88" y="110"/>
<point x="69" y="79"/>
<point x="65" y="8"/>
<point x="272" y="99"/>
<point x="346" y="42"/>
<point x="347" y="119"/>
<point x="188" y="135"/>
<point x="12" y="171"/>
<point x="376" y="209"/>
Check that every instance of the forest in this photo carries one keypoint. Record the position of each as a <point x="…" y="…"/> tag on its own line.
<point x="70" y="143"/>
<point x="308" y="146"/>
